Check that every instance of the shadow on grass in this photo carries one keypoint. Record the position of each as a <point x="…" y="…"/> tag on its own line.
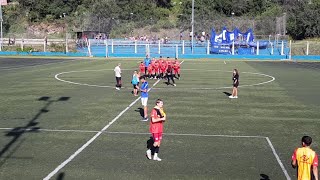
<point x="60" y="176"/>
<point x="17" y="132"/>
<point x="141" y="111"/>
<point x="227" y="94"/>
<point x="264" y="177"/>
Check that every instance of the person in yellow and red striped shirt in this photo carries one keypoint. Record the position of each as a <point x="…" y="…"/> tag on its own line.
<point x="306" y="160"/>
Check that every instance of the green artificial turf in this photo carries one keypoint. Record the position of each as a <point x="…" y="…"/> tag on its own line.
<point x="200" y="119"/>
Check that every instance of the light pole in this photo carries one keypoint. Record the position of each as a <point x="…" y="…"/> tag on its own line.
<point x="131" y="16"/>
<point x="1" y="21"/>
<point x="66" y="34"/>
<point x="192" y="26"/>
<point x="232" y="14"/>
<point x="151" y="20"/>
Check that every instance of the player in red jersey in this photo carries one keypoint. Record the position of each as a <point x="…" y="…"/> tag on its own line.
<point x="163" y="69"/>
<point x="150" y="70"/>
<point x="176" y="69"/>
<point x="156" y="69"/>
<point x="158" y="117"/>
<point x="142" y="68"/>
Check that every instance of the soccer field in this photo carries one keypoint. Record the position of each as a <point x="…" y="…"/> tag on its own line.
<point x="63" y="119"/>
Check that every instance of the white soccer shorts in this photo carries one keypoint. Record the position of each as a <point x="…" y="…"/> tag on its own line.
<point x="144" y="101"/>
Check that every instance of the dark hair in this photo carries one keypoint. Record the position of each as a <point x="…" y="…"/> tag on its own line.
<point x="307" y="140"/>
<point x="158" y="100"/>
<point x="160" y="56"/>
<point x="237" y="72"/>
<point x="142" y="77"/>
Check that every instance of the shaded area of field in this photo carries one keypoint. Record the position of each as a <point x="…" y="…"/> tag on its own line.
<point x="301" y="79"/>
<point x="8" y="63"/>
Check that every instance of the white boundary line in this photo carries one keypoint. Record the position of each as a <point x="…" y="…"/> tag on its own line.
<point x="227" y="87"/>
<point x="278" y="159"/>
<point x="168" y="134"/>
<point x="83" y="84"/>
<point x="133" y="133"/>
<point x="64" y="163"/>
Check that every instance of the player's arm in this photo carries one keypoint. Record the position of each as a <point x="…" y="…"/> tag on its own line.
<point x="155" y="118"/>
<point x="294" y="159"/>
<point x="315" y="167"/>
<point x="144" y="88"/>
<point x="315" y="172"/>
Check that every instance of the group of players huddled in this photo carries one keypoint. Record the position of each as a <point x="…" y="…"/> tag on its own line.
<point x="160" y="69"/>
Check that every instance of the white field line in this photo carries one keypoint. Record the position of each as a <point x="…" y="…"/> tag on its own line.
<point x="227" y="87"/>
<point x="64" y="163"/>
<point x="36" y="65"/>
<point x="135" y="133"/>
<point x="278" y="159"/>
<point x="173" y="134"/>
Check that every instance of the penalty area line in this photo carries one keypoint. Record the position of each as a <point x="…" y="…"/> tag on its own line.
<point x="84" y="146"/>
<point x="278" y="159"/>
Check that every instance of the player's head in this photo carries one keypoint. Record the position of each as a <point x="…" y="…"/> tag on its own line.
<point x="119" y="64"/>
<point x="147" y="55"/>
<point x="141" y="62"/>
<point x="143" y="79"/>
<point x="235" y="71"/>
<point x="160" y="57"/>
<point x="159" y="103"/>
<point x="306" y="141"/>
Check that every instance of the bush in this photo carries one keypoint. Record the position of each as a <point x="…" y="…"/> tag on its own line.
<point x="25" y="49"/>
<point x="165" y="24"/>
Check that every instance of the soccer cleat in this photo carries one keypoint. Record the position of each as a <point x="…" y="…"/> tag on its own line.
<point x="235" y="97"/>
<point x="156" y="158"/>
<point x="144" y="119"/>
<point x="117" y="88"/>
<point x="148" y="154"/>
<point x="231" y="97"/>
<point x="174" y="85"/>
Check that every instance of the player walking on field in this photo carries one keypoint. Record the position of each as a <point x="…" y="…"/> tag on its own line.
<point x="158" y="117"/>
<point x="306" y="160"/>
<point x="235" y="79"/>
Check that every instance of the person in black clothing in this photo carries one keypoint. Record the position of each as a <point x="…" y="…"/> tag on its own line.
<point x="235" y="78"/>
<point x="170" y="75"/>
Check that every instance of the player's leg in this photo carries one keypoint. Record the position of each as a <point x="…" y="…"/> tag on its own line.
<point x="174" y="83"/>
<point x="144" y="102"/>
<point x="117" y="83"/>
<point x="157" y="147"/>
<point x="236" y="91"/>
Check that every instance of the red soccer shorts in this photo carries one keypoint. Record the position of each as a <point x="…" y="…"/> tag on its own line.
<point x="157" y="137"/>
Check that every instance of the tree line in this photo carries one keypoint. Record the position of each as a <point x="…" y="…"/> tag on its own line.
<point x="121" y="16"/>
